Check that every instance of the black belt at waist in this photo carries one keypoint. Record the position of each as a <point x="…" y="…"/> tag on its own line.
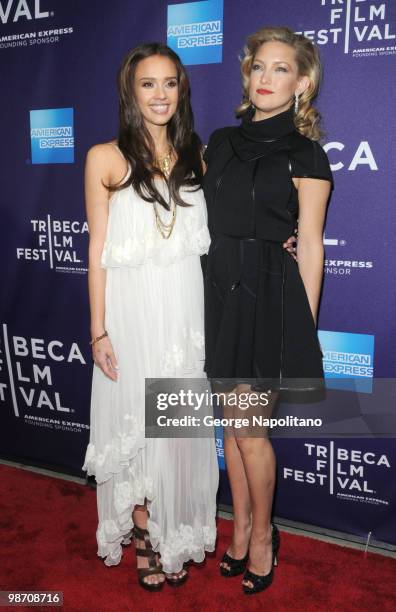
<point x="247" y="238"/>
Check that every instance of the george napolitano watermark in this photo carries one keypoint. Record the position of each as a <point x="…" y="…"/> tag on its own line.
<point x="191" y="408"/>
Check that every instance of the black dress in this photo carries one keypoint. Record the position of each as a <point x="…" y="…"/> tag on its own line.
<point x="258" y="323"/>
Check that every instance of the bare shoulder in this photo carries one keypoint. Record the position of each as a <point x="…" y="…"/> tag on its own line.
<point x="106" y="159"/>
<point x="103" y="152"/>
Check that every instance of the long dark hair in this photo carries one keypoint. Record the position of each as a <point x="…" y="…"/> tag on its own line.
<point x="136" y="143"/>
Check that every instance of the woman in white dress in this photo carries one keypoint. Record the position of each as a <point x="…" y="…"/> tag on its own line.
<point x="148" y="227"/>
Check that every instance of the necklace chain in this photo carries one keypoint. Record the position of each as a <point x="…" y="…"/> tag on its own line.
<point x="165" y="229"/>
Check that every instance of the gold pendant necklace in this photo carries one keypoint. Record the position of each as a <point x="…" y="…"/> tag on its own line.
<point x="165" y="163"/>
<point x="165" y="229"/>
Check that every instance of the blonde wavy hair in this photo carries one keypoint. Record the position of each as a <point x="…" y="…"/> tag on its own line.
<point x="307" y="119"/>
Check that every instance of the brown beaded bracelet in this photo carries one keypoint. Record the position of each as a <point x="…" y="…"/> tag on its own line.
<point x="98" y="338"/>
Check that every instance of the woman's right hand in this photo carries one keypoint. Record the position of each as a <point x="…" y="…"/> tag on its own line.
<point x="104" y="166"/>
<point x="104" y="357"/>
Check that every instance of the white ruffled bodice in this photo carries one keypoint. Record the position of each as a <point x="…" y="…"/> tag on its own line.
<point x="133" y="238"/>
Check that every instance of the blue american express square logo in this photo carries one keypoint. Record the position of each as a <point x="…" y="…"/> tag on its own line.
<point x="348" y="360"/>
<point x="219" y="437"/>
<point x="195" y="31"/>
<point x="52" y="136"/>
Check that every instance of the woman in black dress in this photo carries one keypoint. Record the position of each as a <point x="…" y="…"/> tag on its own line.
<point x="260" y="305"/>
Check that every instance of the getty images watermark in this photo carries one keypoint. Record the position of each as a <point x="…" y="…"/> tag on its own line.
<point x="296" y="408"/>
<point x="194" y="407"/>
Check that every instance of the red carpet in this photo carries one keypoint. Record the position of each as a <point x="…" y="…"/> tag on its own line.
<point x="48" y="542"/>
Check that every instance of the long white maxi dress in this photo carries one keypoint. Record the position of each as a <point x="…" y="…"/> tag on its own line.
<point x="154" y="317"/>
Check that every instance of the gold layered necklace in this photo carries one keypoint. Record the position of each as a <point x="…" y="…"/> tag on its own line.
<point x="165" y="229"/>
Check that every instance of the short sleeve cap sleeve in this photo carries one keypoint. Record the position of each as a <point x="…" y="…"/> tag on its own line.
<point x="311" y="161"/>
<point x="215" y="139"/>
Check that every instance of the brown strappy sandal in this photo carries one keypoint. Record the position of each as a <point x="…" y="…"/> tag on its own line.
<point x="177" y="580"/>
<point x="153" y="566"/>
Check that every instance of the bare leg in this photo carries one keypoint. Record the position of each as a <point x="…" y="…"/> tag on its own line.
<point x="259" y="463"/>
<point x="239" y="490"/>
<point x="241" y="500"/>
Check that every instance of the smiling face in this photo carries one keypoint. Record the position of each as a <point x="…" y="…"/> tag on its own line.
<point x="274" y="79"/>
<point x="156" y="89"/>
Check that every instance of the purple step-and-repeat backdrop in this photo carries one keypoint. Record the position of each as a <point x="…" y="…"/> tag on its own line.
<point x="59" y="60"/>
